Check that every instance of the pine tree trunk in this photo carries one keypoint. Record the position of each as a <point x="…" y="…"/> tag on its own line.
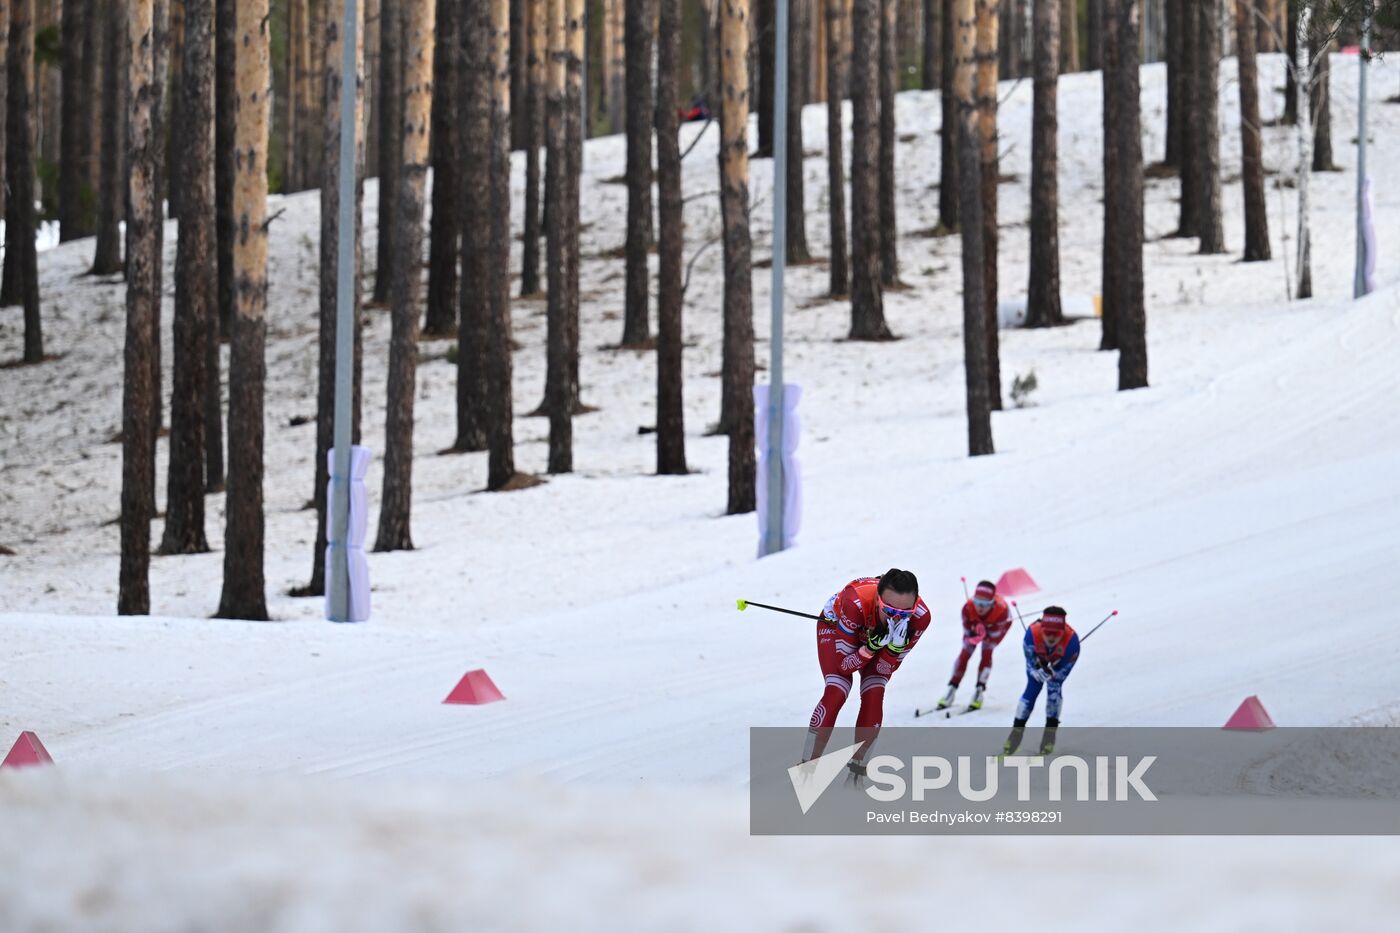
<point x="889" y="82"/>
<point x="1304" y="75"/>
<point x="1320" y="98"/>
<point x="614" y="89"/>
<point x="286" y="101"/>
<point x="795" y="206"/>
<point x="738" y="366"/>
<point x="1043" y="289"/>
<point x="499" y="409"/>
<point x="142" y="287"/>
<point x="1189" y="222"/>
<point x="77" y="120"/>
<point x="930" y="73"/>
<point x="1069" y="36"/>
<point x="1290" y="86"/>
<point x="969" y="147"/>
<point x="332" y="39"/>
<point x="1175" y="76"/>
<point x="475" y="293"/>
<point x="390" y="101"/>
<point x="836" y="57"/>
<point x="986" y="49"/>
<point x="1111" y="260"/>
<point x="867" y="298"/>
<point x="948" y="136"/>
<point x="1093" y="39"/>
<point x="670" y="410"/>
<point x="244" y="595"/>
<point x="636" y="327"/>
<point x="564" y="167"/>
<point x="21" y="267"/>
<point x="444" y="242"/>
<point x="1211" y="230"/>
<point x="4" y="82"/>
<point x="107" y="255"/>
<point x="405" y="289"/>
<point x="519" y="78"/>
<point x="764" y="35"/>
<point x="372" y="72"/>
<point x="1256" y="216"/>
<point x="225" y="49"/>
<point x="196" y="284"/>
<point x="534" y="130"/>
<point x="1125" y="208"/>
<point x="173" y="133"/>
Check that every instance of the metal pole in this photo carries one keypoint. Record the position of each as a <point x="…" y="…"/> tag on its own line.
<point x="339" y="492"/>
<point x="1359" y="283"/>
<point x="773" y="542"/>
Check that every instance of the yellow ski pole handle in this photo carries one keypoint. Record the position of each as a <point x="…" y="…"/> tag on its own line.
<point x="744" y="604"/>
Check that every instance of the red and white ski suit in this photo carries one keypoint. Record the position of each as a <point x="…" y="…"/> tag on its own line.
<point x="845" y="625"/>
<point x="987" y="631"/>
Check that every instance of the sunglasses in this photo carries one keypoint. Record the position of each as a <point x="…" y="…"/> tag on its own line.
<point x="982" y="603"/>
<point x="895" y="613"/>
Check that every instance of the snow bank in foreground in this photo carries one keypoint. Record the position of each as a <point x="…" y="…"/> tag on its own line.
<point x="180" y="852"/>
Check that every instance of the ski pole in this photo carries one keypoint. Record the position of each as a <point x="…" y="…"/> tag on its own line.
<point x="744" y="604"/>
<point x="964" y="583"/>
<point x="1018" y="615"/>
<point x="1099" y="626"/>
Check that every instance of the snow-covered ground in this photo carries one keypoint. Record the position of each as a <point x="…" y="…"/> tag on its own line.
<point x="300" y="776"/>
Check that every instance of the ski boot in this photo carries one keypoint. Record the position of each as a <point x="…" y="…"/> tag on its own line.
<point x="947" y="700"/>
<point x="856" y="776"/>
<point x="1013" y="741"/>
<point x="1047" y="741"/>
<point x="977" y="698"/>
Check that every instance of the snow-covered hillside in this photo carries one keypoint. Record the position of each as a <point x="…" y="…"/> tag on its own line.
<point x="1239" y="514"/>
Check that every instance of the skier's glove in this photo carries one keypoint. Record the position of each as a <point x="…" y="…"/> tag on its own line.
<point x="877" y="638"/>
<point x="899" y="635"/>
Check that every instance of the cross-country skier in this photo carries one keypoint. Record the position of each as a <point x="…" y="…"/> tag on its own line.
<point x="1051" y="648"/>
<point x="867" y="628"/>
<point x="986" y="618"/>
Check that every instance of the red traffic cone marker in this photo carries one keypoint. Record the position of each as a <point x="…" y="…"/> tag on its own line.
<point x="1017" y="583"/>
<point x="474" y="689"/>
<point x="27" y="750"/>
<point x="1250" y="716"/>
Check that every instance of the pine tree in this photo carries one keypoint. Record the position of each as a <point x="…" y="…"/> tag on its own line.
<point x="738" y="364"/>
<point x="21" y="266"/>
<point x="444" y="241"/>
<point x="1256" y="217"/>
<point x="1069" y="36"/>
<point x="562" y="194"/>
<point x="836" y="57"/>
<point x="1320" y="98"/>
<point x="139" y="390"/>
<point x="795" y="213"/>
<point x="244" y="594"/>
<point x="107" y="254"/>
<point x="499" y="407"/>
<point x="932" y="60"/>
<point x="73" y="214"/>
<point x="534" y="133"/>
<point x="1211" y="230"/>
<point x="389" y="103"/>
<point x="1189" y="222"/>
<point x="1123" y="196"/>
<point x="225" y="60"/>
<point x="670" y="411"/>
<point x="889" y="83"/>
<point x="474" y="101"/>
<point x="639" y="24"/>
<point x="196" y="285"/>
<point x="405" y="290"/>
<point x="1043" y="288"/>
<point x="986" y="51"/>
<point x="948" y="134"/>
<point x="867" y="297"/>
<point x="969" y="146"/>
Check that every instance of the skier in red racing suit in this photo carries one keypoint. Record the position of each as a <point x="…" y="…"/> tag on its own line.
<point x="869" y="627"/>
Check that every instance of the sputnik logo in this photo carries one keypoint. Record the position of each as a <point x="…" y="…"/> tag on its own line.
<point x="811" y="778"/>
